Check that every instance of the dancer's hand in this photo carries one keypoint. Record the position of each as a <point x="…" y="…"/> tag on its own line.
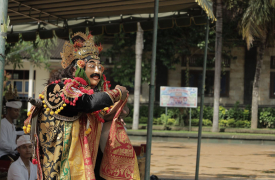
<point x="35" y="102"/>
<point x="123" y="90"/>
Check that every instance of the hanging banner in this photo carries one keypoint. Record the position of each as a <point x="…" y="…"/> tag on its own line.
<point x="178" y="96"/>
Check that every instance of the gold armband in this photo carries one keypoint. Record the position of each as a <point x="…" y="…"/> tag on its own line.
<point x="114" y="94"/>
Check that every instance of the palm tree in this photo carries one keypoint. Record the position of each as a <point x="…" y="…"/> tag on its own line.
<point x="257" y="24"/>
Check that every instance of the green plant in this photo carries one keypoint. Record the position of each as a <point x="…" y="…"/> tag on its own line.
<point x="243" y="124"/>
<point x="246" y="114"/>
<point x="158" y="111"/>
<point x="231" y="123"/>
<point x="247" y="124"/>
<point x="195" y="113"/>
<point x="171" y="121"/>
<point x="155" y="121"/>
<point x="143" y="111"/>
<point x="163" y="119"/>
<point x="267" y="117"/>
<point x="222" y="112"/>
<point x="131" y="110"/>
<point x="240" y="123"/>
<point x="208" y="112"/>
<point x="128" y="120"/>
<point x="206" y="122"/>
<point x="143" y="120"/>
<point x="177" y="113"/>
<point x="222" y="123"/>
<point x="177" y="122"/>
<point x="195" y="122"/>
<point x="159" y="122"/>
<point x="235" y="112"/>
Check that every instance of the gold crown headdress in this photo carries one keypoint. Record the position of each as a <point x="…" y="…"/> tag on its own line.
<point x="79" y="47"/>
<point x="11" y="95"/>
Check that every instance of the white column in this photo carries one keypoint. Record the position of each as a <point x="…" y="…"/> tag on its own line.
<point x="30" y="93"/>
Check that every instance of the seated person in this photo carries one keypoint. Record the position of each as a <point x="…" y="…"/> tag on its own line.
<point x="8" y="133"/>
<point x="22" y="168"/>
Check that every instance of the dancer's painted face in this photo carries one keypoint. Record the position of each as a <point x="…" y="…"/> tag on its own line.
<point x="94" y="71"/>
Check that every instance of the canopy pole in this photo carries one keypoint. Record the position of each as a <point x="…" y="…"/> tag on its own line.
<point x="3" y="17"/>
<point x="202" y="100"/>
<point x="152" y="93"/>
<point x="30" y="93"/>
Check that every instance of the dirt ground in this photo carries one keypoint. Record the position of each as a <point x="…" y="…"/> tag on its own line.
<point x="177" y="160"/>
<point x="174" y="160"/>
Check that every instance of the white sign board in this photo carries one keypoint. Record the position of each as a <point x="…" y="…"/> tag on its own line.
<point x="178" y="96"/>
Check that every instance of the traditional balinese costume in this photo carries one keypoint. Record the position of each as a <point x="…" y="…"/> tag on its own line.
<point x="68" y="128"/>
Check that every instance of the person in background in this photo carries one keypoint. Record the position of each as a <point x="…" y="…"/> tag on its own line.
<point x="22" y="168"/>
<point x="8" y="132"/>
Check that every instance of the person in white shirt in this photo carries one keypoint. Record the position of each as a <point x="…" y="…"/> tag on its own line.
<point x="8" y="133"/>
<point x="22" y="168"/>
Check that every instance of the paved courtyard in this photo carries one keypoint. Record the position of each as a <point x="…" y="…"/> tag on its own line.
<point x="177" y="160"/>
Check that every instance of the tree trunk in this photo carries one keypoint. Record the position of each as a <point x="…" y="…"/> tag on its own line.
<point x="218" y="60"/>
<point x="139" y="48"/>
<point x="255" y="91"/>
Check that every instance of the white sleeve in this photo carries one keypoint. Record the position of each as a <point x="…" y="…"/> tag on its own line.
<point x="35" y="172"/>
<point x="20" y="133"/>
<point x="5" y="145"/>
<point x="14" y="173"/>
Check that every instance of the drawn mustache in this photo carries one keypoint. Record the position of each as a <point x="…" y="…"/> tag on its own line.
<point x="95" y="74"/>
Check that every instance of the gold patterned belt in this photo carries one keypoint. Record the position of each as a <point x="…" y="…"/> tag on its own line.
<point x="66" y="118"/>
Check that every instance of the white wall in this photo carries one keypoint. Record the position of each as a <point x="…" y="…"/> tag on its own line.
<point x="41" y="74"/>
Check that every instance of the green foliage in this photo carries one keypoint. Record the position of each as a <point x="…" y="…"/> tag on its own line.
<point x="246" y="114"/>
<point x="143" y="111"/>
<point x="124" y="70"/>
<point x="258" y="22"/>
<point x="231" y="123"/>
<point x="207" y="112"/>
<point x="223" y="113"/>
<point x="247" y="124"/>
<point x="172" y="44"/>
<point x="267" y="117"/>
<point x="158" y="111"/>
<point x="222" y="123"/>
<point x="235" y="112"/>
<point x="131" y="110"/>
<point x="175" y="113"/>
<point x="128" y="120"/>
<point x="234" y="123"/>
<point x="163" y="119"/>
<point x="243" y="124"/>
<point x="156" y="121"/>
<point x="171" y="121"/>
<point x="195" y="122"/>
<point x="206" y="122"/>
<point x="38" y="52"/>
<point x="143" y="120"/>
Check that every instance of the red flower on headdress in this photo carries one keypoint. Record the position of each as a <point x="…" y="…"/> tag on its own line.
<point x="90" y="35"/>
<point x="80" y="63"/>
<point x="78" y="44"/>
<point x="100" y="48"/>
